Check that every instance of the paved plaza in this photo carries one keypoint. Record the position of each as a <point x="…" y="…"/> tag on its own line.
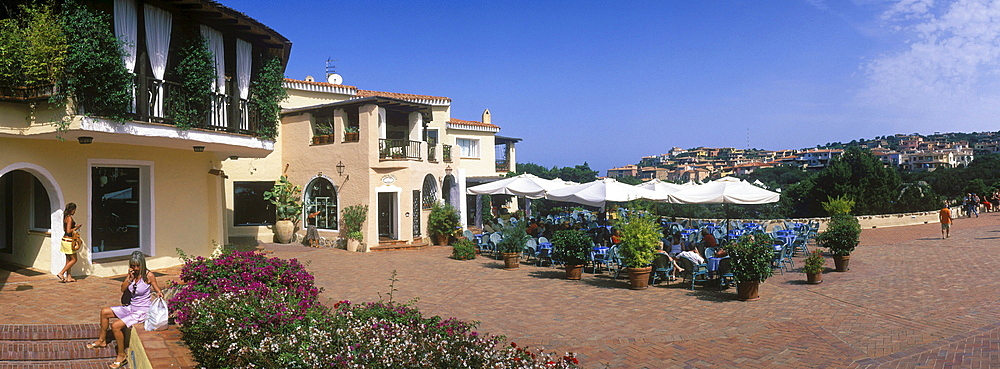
<point x="911" y="300"/>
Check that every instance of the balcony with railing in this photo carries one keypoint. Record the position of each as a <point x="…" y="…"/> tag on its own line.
<point x="155" y="100"/>
<point x="432" y="153"/>
<point x="390" y="149"/>
<point x="503" y="166"/>
<point x="446" y="153"/>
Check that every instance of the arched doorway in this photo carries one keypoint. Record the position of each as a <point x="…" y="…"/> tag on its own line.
<point x="321" y="204"/>
<point x="30" y="217"/>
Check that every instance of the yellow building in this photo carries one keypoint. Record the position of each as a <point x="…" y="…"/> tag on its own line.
<point x="143" y="184"/>
<point x="397" y="153"/>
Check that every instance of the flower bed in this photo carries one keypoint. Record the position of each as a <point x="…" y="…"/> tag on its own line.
<point x="247" y="310"/>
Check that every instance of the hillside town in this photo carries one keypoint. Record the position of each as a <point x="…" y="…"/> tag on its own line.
<point x="908" y="152"/>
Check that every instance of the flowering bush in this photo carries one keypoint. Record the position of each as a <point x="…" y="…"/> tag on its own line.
<point x="238" y="271"/>
<point x="244" y="310"/>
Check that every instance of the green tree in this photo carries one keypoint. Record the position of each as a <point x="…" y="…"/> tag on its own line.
<point x="861" y="176"/>
<point x="95" y="76"/>
<point x="189" y="106"/>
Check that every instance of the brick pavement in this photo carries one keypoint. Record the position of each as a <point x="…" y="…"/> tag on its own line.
<point x="910" y="300"/>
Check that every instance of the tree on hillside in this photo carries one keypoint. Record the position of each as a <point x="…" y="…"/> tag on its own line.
<point x="579" y="173"/>
<point x="862" y="177"/>
<point x="629" y="180"/>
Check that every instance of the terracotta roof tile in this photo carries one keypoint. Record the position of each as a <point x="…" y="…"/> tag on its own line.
<point x="472" y="123"/>
<point x="318" y="83"/>
<point x="401" y="96"/>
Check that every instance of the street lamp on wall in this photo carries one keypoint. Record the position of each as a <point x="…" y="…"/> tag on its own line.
<point x="447" y="170"/>
<point x="340" y="168"/>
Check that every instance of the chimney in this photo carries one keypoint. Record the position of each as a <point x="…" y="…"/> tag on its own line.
<point x="486" y="116"/>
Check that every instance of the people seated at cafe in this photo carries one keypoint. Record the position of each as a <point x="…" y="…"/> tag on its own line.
<point x="673" y="261"/>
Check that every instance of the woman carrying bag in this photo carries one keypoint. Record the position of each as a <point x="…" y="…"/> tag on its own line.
<point x="141" y="284"/>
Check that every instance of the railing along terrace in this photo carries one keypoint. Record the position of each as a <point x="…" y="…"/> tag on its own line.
<point x="398" y="149"/>
<point x="432" y="153"/>
<point x="503" y="166"/>
<point x="446" y="153"/>
<point x="227" y="112"/>
<point x="24" y="94"/>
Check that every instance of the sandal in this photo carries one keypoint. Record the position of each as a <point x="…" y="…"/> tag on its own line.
<point x="95" y="345"/>
<point x="117" y="364"/>
<point x="61" y="279"/>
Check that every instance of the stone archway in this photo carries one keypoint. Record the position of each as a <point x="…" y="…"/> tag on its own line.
<point x="56" y="202"/>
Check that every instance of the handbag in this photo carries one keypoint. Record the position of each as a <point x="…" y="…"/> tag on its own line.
<point x="156" y="317"/>
<point x="127" y="297"/>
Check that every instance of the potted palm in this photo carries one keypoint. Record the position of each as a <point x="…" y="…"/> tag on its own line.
<point x="640" y="236"/>
<point x="288" y="206"/>
<point x="843" y="232"/>
<point x="354" y="218"/>
<point x="513" y="242"/>
<point x="814" y="267"/>
<point x="573" y="245"/>
<point x="751" y="263"/>
<point x="442" y="223"/>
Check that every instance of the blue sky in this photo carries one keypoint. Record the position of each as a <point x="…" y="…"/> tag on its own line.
<point x="608" y="82"/>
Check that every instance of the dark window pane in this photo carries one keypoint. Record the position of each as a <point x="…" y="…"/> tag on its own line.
<point x="115" y="208"/>
<point x="249" y="206"/>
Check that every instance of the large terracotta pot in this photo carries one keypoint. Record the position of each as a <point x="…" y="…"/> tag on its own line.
<point x="814" y="278"/>
<point x="574" y="272"/>
<point x="440" y="239"/>
<point x="638" y="278"/>
<point x="841" y="262"/>
<point x="747" y="291"/>
<point x="353" y="245"/>
<point x="511" y="260"/>
<point x="283" y="231"/>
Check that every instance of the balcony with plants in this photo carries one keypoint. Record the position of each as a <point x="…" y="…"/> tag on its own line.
<point x="98" y="61"/>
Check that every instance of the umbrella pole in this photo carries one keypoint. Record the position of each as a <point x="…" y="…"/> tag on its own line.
<point x="527" y="207"/>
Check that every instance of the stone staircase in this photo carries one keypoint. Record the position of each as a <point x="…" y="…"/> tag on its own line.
<point x="51" y="346"/>
<point x="385" y="244"/>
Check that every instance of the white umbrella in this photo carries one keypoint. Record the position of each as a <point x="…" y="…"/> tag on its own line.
<point x="526" y="185"/>
<point x="726" y="190"/>
<point x="662" y="187"/>
<point x="598" y="192"/>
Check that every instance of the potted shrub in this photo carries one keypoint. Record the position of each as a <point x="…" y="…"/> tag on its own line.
<point x="354" y="217"/>
<point x="814" y="267"/>
<point x="324" y="134"/>
<point x="351" y="134"/>
<point x="751" y="263"/>
<point x="287" y="206"/>
<point x="640" y="236"/>
<point x="442" y="223"/>
<point x="573" y="245"/>
<point x="843" y="232"/>
<point x="463" y="250"/>
<point x="513" y="241"/>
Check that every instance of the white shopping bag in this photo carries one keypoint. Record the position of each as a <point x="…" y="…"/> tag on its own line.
<point x="156" y="318"/>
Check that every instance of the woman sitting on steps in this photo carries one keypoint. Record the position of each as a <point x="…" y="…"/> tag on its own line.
<point x="140" y="283"/>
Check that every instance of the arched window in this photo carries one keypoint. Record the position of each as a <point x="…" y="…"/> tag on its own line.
<point x="430" y="191"/>
<point x="321" y="204"/>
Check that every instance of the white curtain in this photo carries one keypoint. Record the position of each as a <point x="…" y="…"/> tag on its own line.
<point x="126" y="22"/>
<point x="158" y="25"/>
<point x="218" y="49"/>
<point x="243" y="63"/>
